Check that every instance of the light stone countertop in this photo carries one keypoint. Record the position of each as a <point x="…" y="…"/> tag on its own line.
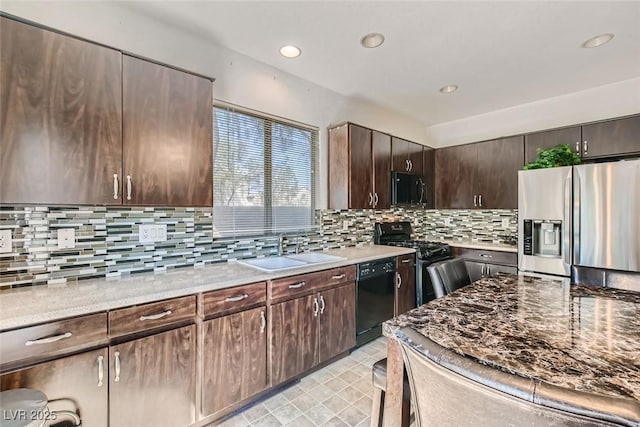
<point x="503" y="247"/>
<point x="31" y="305"/>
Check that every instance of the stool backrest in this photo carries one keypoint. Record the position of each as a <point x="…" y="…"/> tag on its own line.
<point x="447" y="276"/>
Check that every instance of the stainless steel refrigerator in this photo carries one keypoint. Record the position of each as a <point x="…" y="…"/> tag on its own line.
<point x="587" y="215"/>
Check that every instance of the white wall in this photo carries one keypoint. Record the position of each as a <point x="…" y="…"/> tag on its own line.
<point x="602" y="102"/>
<point x="239" y="79"/>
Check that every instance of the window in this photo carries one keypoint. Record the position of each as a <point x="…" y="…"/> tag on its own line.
<point x="263" y="174"/>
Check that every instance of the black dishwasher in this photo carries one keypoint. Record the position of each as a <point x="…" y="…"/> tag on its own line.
<point x="375" y="292"/>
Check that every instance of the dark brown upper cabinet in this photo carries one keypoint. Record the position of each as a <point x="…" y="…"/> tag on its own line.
<point x="550" y="138"/>
<point x="479" y="176"/>
<point x="429" y="174"/>
<point x="610" y="138"/>
<point x="407" y="156"/>
<point x="167" y="133"/>
<point x="359" y="168"/>
<point x="61" y="118"/>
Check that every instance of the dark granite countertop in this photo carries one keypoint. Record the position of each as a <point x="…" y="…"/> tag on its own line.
<point x="573" y="336"/>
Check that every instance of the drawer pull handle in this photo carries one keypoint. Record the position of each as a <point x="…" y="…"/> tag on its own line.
<point x="404" y="261"/>
<point x="297" y="285"/>
<point x="49" y="340"/>
<point x="117" y="377"/>
<point x="263" y="322"/>
<point x="236" y="299"/>
<point x="339" y="276"/>
<point x="100" y="370"/>
<point x="322" y="304"/>
<point x="486" y="256"/>
<point x="156" y="316"/>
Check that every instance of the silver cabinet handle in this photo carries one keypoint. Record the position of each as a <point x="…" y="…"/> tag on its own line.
<point x="100" y="370"/>
<point x="263" y="322"/>
<point x="236" y="299"/>
<point x="398" y="280"/>
<point x="375" y="199"/>
<point x="49" y="340"/>
<point x="156" y="316"/>
<point x="316" y="307"/>
<point x="585" y="147"/>
<point x="370" y="199"/>
<point x="297" y="285"/>
<point x="128" y="187"/>
<point x="322" y="304"/>
<point x="475" y="200"/>
<point x="410" y="165"/>
<point x="406" y="163"/>
<point x="339" y="276"/>
<point x="115" y="186"/>
<point x="480" y="200"/>
<point x="486" y="256"/>
<point x="488" y="271"/>
<point x="117" y="363"/>
<point x="578" y="147"/>
<point x="405" y="261"/>
<point x="482" y="270"/>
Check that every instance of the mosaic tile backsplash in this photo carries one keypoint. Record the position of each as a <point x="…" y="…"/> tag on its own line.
<point x="107" y="238"/>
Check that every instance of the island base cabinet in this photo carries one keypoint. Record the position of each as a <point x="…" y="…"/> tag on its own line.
<point x="294" y="337"/>
<point x="152" y="380"/>
<point x="234" y="359"/>
<point x="75" y="383"/>
<point x="337" y="321"/>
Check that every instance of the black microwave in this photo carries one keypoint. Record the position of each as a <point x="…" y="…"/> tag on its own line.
<point x="407" y="189"/>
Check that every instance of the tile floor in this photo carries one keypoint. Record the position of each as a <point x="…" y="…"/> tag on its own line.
<point x="337" y="395"/>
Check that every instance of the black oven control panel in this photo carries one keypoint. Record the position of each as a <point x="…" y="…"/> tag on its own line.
<point x="376" y="268"/>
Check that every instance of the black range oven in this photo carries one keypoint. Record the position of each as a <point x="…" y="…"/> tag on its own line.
<point x="399" y="234"/>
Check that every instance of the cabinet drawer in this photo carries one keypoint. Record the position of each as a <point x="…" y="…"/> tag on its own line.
<point x="406" y="261"/>
<point x="290" y="287"/>
<point x="52" y="339"/>
<point x="492" y="257"/>
<point x="227" y="301"/>
<point x="140" y="318"/>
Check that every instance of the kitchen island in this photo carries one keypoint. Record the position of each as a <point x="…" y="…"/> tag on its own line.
<point x="578" y="346"/>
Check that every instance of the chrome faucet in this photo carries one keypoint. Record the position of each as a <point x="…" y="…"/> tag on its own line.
<point x="280" y="245"/>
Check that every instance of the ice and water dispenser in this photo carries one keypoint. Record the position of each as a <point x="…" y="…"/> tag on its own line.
<point x="543" y="238"/>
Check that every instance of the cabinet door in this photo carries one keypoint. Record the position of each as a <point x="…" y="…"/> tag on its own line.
<point x="571" y="136"/>
<point x="76" y="383"/>
<point x="400" y="154"/>
<point x="381" y="146"/>
<point x="428" y="173"/>
<point x="496" y="182"/>
<point x="234" y="359"/>
<point x="415" y="158"/>
<point x="405" y="293"/>
<point x="361" y="178"/>
<point x="60" y="127"/>
<point x="156" y="381"/>
<point x="455" y="176"/>
<point x="337" y="321"/>
<point x="167" y="122"/>
<point x="611" y="138"/>
<point x="294" y="337"/>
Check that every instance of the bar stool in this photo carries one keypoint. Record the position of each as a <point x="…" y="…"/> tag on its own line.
<point x="379" y="380"/>
<point x="448" y="276"/>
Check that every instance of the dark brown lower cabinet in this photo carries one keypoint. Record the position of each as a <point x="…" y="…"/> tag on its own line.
<point x="152" y="380"/>
<point x="310" y="330"/>
<point x="74" y="383"/>
<point x="405" y="289"/>
<point x="337" y="321"/>
<point x="294" y="337"/>
<point x="234" y="359"/>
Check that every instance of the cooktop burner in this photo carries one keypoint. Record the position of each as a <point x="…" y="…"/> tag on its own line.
<point x="399" y="234"/>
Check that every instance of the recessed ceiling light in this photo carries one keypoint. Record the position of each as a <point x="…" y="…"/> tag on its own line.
<point x="372" y="40"/>
<point x="598" y="40"/>
<point x="290" y="51"/>
<point x="448" y="88"/>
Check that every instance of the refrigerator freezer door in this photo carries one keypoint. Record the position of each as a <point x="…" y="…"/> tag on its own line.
<point x="544" y="196"/>
<point x="607" y="215"/>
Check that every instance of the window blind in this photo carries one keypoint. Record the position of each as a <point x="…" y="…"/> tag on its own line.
<point x="263" y="174"/>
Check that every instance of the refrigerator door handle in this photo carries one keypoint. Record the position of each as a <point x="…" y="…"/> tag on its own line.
<point x="575" y="217"/>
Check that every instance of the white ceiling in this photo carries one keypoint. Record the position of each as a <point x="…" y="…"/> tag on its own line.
<point x="501" y="54"/>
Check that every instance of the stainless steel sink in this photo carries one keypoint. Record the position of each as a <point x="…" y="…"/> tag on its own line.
<point x="315" y="257"/>
<point x="290" y="261"/>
